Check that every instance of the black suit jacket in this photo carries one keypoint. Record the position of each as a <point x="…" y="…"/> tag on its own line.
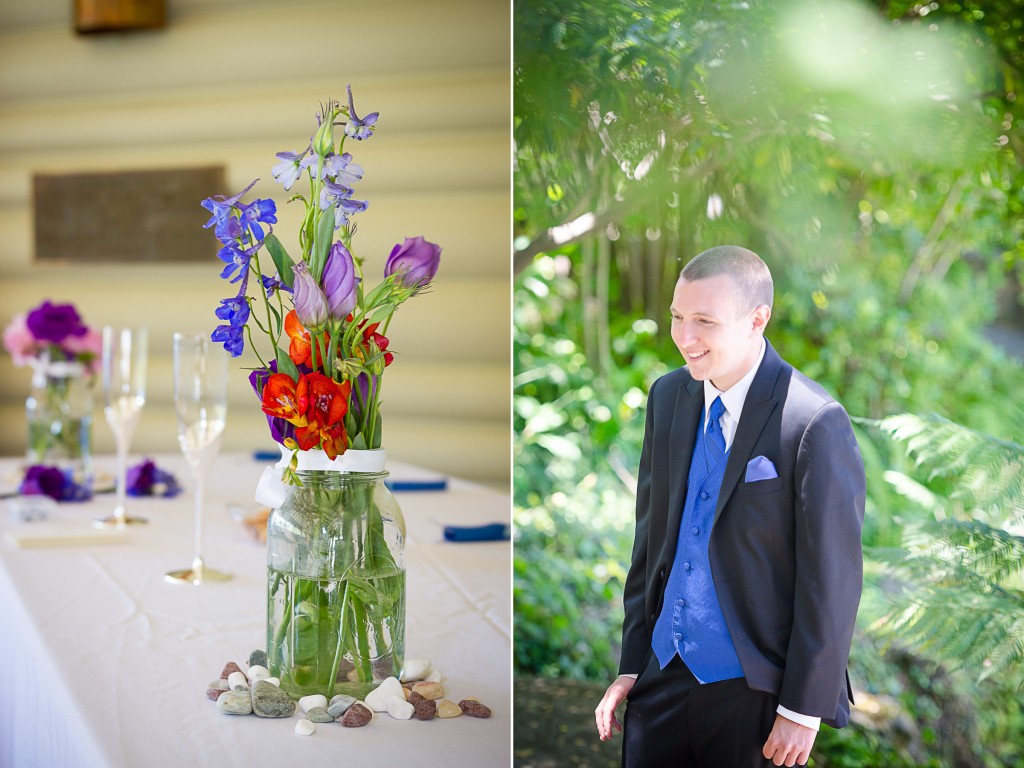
<point x="785" y="553"/>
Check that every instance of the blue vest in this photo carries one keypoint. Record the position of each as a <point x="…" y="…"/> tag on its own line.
<point x="691" y="621"/>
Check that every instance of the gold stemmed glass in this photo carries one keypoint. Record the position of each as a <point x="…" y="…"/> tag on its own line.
<point x="123" y="372"/>
<point x="201" y="403"/>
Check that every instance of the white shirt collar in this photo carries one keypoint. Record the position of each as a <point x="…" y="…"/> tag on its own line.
<point x="732" y="398"/>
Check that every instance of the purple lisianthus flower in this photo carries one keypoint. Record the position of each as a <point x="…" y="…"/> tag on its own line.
<point x="55" y="322"/>
<point x="356" y="127"/>
<point x="415" y="262"/>
<point x="43" y="481"/>
<point x="339" y="282"/>
<point x="310" y="303"/>
<point x="258" y="212"/>
<point x="288" y="171"/>
<point x="147" y="479"/>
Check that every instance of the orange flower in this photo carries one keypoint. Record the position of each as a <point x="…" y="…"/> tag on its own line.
<point x="285" y="399"/>
<point x="327" y="404"/>
<point x="300" y="348"/>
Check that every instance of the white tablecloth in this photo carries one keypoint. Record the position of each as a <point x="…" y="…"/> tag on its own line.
<point x="107" y="665"/>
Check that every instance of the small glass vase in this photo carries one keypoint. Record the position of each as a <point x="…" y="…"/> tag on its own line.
<point x="336" y="584"/>
<point x="59" y="415"/>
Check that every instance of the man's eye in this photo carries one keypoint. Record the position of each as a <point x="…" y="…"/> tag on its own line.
<point x="704" y="321"/>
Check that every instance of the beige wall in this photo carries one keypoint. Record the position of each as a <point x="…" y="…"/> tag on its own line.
<point x="232" y="82"/>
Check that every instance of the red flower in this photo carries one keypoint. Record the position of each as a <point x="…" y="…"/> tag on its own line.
<point x="285" y="399"/>
<point x="300" y="350"/>
<point x="370" y="334"/>
<point x="327" y="404"/>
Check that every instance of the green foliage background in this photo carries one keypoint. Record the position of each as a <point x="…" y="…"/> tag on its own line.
<point x="872" y="155"/>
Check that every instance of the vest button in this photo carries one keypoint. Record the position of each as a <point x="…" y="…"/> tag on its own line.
<point x="695" y="530"/>
<point x="686" y="566"/>
<point x="704" y="495"/>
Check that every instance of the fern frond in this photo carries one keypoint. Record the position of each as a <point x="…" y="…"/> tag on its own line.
<point x="989" y="472"/>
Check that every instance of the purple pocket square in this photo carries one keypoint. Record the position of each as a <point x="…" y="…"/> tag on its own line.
<point x="760" y="468"/>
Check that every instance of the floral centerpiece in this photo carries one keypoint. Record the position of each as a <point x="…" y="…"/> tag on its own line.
<point x="64" y="354"/>
<point x="336" y="577"/>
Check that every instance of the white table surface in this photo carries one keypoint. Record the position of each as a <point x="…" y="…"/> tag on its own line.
<point x="107" y="665"/>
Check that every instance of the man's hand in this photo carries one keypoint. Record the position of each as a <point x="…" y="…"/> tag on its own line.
<point x="605" y="712"/>
<point x="788" y="744"/>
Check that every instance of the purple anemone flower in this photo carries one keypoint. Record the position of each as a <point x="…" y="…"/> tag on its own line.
<point x="43" y="481"/>
<point x="55" y="322"/>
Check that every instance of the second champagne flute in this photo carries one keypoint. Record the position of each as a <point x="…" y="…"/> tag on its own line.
<point x="123" y="371"/>
<point x="201" y="403"/>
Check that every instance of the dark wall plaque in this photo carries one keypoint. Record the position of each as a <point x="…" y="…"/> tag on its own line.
<point x="132" y="216"/>
<point x="93" y="16"/>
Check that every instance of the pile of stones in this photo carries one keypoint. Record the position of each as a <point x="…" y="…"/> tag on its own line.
<point x="420" y="695"/>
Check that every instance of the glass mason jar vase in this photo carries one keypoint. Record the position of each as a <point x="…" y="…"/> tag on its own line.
<point x="59" y="414"/>
<point x="336" y="584"/>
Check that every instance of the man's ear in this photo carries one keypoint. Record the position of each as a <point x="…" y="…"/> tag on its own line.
<point x="760" y="318"/>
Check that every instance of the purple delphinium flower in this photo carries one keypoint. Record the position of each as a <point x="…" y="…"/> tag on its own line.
<point x="356" y="127"/>
<point x="55" y="322"/>
<point x="288" y="171"/>
<point x="271" y="284"/>
<point x="347" y="208"/>
<point x="235" y="310"/>
<point x="341" y="168"/>
<point x="339" y="282"/>
<point x="235" y="258"/>
<point x="310" y="303"/>
<point x="255" y="213"/>
<point x="415" y="261"/>
<point x="222" y="207"/>
<point x="232" y="337"/>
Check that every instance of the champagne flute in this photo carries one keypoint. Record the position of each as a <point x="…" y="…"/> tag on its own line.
<point x="123" y="371"/>
<point x="201" y="402"/>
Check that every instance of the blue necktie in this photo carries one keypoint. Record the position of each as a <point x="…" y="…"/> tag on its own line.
<point x="714" y="436"/>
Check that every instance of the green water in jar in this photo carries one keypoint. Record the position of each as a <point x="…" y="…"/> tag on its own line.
<point x="332" y="636"/>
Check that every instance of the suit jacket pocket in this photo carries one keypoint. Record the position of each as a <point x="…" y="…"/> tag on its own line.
<point x="759" y="486"/>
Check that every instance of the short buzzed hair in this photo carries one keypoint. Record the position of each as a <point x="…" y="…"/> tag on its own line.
<point x="750" y="274"/>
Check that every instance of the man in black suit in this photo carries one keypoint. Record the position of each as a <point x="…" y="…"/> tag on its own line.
<point x="747" y="563"/>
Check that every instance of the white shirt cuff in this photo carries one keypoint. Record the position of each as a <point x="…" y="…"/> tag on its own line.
<point x="796" y="717"/>
<point x="634" y="675"/>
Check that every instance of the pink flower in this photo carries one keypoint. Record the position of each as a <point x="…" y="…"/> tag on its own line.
<point x="19" y="341"/>
<point x="88" y="348"/>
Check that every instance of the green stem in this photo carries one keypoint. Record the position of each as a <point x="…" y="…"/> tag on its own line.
<point x="341" y="641"/>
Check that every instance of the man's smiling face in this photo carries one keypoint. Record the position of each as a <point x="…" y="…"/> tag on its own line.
<point x="719" y="339"/>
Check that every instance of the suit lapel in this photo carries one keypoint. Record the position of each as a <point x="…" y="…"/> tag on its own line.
<point x="687" y="413"/>
<point x="757" y="408"/>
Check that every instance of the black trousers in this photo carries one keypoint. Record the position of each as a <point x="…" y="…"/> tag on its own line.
<point x="672" y="721"/>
